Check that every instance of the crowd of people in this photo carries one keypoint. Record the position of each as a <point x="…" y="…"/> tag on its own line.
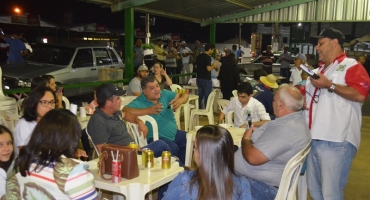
<point x="41" y="155"/>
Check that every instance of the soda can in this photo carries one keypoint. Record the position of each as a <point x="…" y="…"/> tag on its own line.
<point x="143" y="155"/>
<point x="116" y="171"/>
<point x="149" y="159"/>
<point x="132" y="145"/>
<point x="166" y="160"/>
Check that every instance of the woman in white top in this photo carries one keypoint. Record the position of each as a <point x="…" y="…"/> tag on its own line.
<point x="39" y="102"/>
<point x="6" y="157"/>
<point x="295" y="77"/>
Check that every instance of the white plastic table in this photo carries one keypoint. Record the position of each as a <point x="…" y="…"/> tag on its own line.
<point x="136" y="188"/>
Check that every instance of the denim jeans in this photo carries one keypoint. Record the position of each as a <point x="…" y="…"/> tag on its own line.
<point x="177" y="147"/>
<point x="285" y="72"/>
<point x="262" y="191"/>
<point x="204" y="89"/>
<point x="158" y="147"/>
<point x="328" y="165"/>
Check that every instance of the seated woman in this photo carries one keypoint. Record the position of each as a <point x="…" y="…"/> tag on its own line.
<point x="215" y="177"/>
<point x="45" y="165"/>
<point x="38" y="103"/>
<point x="6" y="157"/>
<point x="161" y="76"/>
<point x="50" y="82"/>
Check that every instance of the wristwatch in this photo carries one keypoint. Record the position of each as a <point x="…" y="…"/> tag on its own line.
<point x="332" y="87"/>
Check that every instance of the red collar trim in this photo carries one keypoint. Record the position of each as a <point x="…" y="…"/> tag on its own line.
<point x="340" y="58"/>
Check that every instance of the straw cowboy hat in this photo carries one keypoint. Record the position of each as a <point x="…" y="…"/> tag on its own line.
<point x="269" y="80"/>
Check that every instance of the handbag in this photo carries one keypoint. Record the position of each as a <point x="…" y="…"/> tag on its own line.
<point x="128" y="157"/>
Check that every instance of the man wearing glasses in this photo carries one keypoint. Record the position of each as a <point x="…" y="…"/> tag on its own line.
<point x="333" y="115"/>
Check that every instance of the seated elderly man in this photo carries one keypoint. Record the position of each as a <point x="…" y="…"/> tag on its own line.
<point x="160" y="104"/>
<point x="134" y="88"/>
<point x="266" y="151"/>
<point x="106" y="125"/>
<point x="244" y="104"/>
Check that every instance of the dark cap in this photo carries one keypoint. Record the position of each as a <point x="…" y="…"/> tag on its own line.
<point x="332" y="34"/>
<point x="107" y="90"/>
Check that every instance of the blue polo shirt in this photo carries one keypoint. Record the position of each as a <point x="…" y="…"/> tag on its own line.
<point x="15" y="48"/>
<point x="165" y="120"/>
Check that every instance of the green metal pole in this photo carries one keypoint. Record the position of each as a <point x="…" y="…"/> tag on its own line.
<point x="212" y="33"/>
<point x="129" y="43"/>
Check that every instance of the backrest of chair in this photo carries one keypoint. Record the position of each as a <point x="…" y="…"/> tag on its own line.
<point x="151" y="120"/>
<point x="66" y="102"/>
<point x="222" y="103"/>
<point x="10" y="119"/>
<point x="235" y="93"/>
<point x="174" y="87"/>
<point x="289" y="179"/>
<point x="210" y="100"/>
<point x="134" y="132"/>
<point x="125" y="87"/>
<point x="126" y="100"/>
<point x="91" y="141"/>
<point x="1" y="83"/>
<point x="19" y="104"/>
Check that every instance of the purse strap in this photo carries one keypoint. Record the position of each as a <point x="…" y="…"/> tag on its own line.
<point x="103" y="157"/>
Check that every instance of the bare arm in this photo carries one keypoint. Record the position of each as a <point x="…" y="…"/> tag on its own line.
<point x="346" y="92"/>
<point x="259" y="123"/>
<point x="251" y="154"/>
<point x="156" y="109"/>
<point x="179" y="100"/>
<point x="127" y="116"/>
<point x="136" y="94"/>
<point x="221" y="117"/>
<point x="213" y="65"/>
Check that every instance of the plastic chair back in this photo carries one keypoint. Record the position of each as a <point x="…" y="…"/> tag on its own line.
<point x="229" y="116"/>
<point x="66" y="102"/>
<point x="151" y="120"/>
<point x="19" y="104"/>
<point x="235" y="93"/>
<point x="10" y="119"/>
<point x="289" y="179"/>
<point x="174" y="87"/>
<point x="91" y="142"/>
<point x="210" y="100"/>
<point x="126" y="100"/>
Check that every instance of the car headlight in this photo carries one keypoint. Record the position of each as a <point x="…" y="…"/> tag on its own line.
<point x="24" y="83"/>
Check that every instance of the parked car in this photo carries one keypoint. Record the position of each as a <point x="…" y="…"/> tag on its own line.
<point x="68" y="63"/>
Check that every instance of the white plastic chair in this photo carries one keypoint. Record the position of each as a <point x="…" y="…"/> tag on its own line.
<point x="235" y="93"/>
<point x="19" y="104"/>
<point x="66" y="102"/>
<point x="174" y="87"/>
<point x="92" y="143"/>
<point x="189" y="149"/>
<point x="10" y="119"/>
<point x="223" y="103"/>
<point x="7" y="103"/>
<point x="125" y="87"/>
<point x="207" y="112"/>
<point x="126" y="100"/>
<point x="289" y="179"/>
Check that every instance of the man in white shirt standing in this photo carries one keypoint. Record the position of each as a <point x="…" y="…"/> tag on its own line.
<point x="285" y="59"/>
<point x="245" y="103"/>
<point x="185" y="55"/>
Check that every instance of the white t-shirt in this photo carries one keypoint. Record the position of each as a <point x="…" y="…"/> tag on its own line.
<point x="258" y="111"/>
<point x="185" y="50"/>
<point x="3" y="177"/>
<point x="22" y="133"/>
<point x="295" y="77"/>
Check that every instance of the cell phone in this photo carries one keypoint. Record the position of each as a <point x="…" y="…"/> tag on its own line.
<point x="59" y="89"/>
<point x="309" y="72"/>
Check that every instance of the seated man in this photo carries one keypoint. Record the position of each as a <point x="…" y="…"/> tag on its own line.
<point x="244" y="103"/>
<point x="134" y="88"/>
<point x="264" y="93"/>
<point x="107" y="127"/>
<point x="159" y="105"/>
<point x="263" y="155"/>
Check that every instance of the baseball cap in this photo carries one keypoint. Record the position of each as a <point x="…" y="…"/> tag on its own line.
<point x="143" y="68"/>
<point x="107" y="90"/>
<point x="300" y="56"/>
<point x="269" y="80"/>
<point x="183" y="42"/>
<point x="332" y="34"/>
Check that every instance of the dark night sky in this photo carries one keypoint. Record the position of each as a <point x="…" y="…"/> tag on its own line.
<point x="53" y="10"/>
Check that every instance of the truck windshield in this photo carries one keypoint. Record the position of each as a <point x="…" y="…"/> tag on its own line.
<point x="52" y="55"/>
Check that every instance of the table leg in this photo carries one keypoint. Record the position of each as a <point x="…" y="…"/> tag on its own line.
<point x="135" y="192"/>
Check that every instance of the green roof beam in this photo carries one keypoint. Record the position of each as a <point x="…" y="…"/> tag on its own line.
<point x="254" y="11"/>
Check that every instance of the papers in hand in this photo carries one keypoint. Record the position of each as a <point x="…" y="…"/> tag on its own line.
<point x="309" y="72"/>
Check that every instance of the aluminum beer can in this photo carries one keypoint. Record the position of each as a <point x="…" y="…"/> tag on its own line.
<point x="143" y="155"/>
<point x="166" y="160"/>
<point x="149" y="159"/>
<point x="116" y="172"/>
<point x="132" y="145"/>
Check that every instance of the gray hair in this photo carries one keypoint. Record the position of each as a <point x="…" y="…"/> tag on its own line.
<point x="146" y="80"/>
<point x="291" y="97"/>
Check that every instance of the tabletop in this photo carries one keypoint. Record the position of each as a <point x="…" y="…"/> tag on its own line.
<point x="136" y="188"/>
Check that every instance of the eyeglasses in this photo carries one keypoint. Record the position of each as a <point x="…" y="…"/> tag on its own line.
<point x="45" y="103"/>
<point x="316" y="97"/>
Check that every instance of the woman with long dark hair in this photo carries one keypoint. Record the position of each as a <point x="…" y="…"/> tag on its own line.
<point x="45" y="165"/>
<point x="228" y="76"/>
<point x="215" y="177"/>
<point x="6" y="157"/>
